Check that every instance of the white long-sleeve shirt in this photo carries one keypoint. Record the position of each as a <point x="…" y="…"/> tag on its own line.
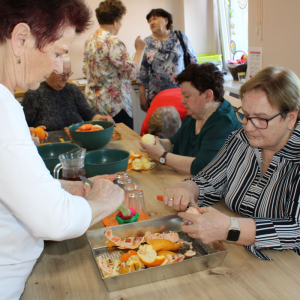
<point x="33" y="206"/>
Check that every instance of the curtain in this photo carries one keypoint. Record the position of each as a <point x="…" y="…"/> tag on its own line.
<point x="222" y="30"/>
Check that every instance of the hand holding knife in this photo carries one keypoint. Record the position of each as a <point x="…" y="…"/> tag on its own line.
<point x="122" y="208"/>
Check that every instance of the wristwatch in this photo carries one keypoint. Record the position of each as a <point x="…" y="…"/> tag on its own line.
<point x="162" y="159"/>
<point x="234" y="230"/>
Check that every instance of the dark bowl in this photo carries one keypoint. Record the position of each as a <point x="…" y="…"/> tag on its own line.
<point x="92" y="140"/>
<point x="50" y="153"/>
<point x="106" y="161"/>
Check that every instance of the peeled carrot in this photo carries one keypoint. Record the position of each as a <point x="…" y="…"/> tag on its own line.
<point x="85" y="127"/>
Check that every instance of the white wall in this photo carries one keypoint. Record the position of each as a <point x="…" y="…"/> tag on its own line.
<point x="134" y="23"/>
<point x="281" y="38"/>
<point x="199" y="25"/>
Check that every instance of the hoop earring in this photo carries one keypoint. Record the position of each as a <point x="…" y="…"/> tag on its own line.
<point x="18" y="61"/>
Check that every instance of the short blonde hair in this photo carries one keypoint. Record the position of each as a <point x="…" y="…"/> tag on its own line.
<point x="164" y="122"/>
<point x="281" y="86"/>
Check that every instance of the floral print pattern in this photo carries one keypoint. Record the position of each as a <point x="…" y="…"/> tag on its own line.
<point x="109" y="70"/>
<point x="162" y="62"/>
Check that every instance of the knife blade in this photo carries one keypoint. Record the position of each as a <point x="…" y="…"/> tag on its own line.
<point x="122" y="208"/>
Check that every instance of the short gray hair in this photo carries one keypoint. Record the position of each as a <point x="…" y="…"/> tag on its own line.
<point x="164" y="122"/>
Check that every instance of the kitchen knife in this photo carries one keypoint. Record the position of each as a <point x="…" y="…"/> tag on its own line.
<point x="122" y="208"/>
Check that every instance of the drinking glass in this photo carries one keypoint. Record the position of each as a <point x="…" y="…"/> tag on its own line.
<point x="128" y="188"/>
<point x="136" y="201"/>
<point x="122" y="181"/>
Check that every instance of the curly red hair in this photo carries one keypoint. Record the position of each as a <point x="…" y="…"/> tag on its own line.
<point x="47" y="19"/>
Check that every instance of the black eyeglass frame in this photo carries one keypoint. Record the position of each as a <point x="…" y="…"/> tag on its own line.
<point x="267" y="120"/>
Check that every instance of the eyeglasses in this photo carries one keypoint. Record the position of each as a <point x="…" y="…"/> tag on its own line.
<point x="259" y="123"/>
<point x="65" y="74"/>
<point x="68" y="74"/>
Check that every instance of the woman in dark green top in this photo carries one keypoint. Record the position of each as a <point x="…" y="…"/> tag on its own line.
<point x="203" y="132"/>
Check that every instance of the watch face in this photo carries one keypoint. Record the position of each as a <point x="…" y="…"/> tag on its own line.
<point x="233" y="235"/>
<point x="162" y="160"/>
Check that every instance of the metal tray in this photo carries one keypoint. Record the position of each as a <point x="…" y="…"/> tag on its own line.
<point x="207" y="255"/>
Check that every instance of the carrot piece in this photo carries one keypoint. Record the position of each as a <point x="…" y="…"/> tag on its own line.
<point x="160" y="197"/>
<point x="85" y="127"/>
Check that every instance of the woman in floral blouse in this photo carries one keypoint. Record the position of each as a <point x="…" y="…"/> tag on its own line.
<point x="163" y="58"/>
<point x="108" y="67"/>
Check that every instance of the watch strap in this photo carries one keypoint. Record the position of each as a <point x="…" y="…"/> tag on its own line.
<point x="165" y="154"/>
<point x="162" y="159"/>
<point x="234" y="230"/>
<point x="234" y="223"/>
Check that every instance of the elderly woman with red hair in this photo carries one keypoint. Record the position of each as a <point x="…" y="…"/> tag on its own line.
<point x="34" y="206"/>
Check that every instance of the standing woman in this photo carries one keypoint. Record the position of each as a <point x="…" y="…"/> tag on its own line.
<point x="108" y="67"/>
<point x="34" y="206"/>
<point x="163" y="58"/>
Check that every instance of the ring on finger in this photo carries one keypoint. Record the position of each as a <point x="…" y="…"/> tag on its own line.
<point x="170" y="199"/>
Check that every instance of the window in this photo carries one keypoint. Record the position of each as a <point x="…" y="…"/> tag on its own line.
<point x="238" y="20"/>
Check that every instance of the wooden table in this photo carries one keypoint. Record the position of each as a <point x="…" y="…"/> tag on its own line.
<point x="67" y="270"/>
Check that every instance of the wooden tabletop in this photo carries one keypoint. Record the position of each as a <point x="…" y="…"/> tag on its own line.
<point x="67" y="270"/>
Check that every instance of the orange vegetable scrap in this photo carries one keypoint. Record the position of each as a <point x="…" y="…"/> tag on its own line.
<point x="161" y="249"/>
<point x="140" y="161"/>
<point x="68" y="132"/>
<point x="116" y="135"/>
<point x="89" y="128"/>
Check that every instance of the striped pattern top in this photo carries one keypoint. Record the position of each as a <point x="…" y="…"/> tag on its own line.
<point x="272" y="200"/>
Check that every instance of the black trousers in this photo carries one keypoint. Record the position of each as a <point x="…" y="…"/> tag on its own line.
<point x="123" y="117"/>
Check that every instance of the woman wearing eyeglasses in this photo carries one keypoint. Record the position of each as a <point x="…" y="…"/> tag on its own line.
<point x="57" y="104"/>
<point x="256" y="172"/>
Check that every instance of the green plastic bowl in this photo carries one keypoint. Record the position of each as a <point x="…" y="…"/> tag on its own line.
<point x="106" y="161"/>
<point x="50" y="153"/>
<point x="92" y="140"/>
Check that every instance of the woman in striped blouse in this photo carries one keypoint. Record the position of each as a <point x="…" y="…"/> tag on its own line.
<point x="256" y="171"/>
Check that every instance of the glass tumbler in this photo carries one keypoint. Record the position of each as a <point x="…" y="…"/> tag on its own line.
<point x="119" y="175"/>
<point x="128" y="188"/>
<point x="136" y="201"/>
<point x="122" y="181"/>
